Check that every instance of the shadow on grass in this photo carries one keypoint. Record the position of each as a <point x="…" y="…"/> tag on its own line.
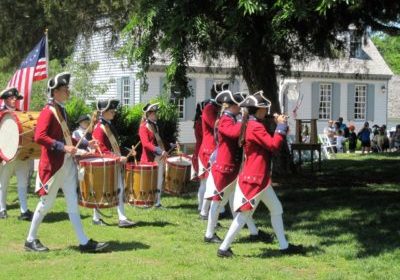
<point x="117" y="246"/>
<point x="154" y="224"/>
<point x="275" y="253"/>
<point x="352" y="198"/>
<point x="54" y="217"/>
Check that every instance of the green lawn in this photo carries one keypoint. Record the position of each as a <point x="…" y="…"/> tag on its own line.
<point x="348" y="217"/>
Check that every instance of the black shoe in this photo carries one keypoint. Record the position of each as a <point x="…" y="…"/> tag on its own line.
<point x="99" y="222"/>
<point x="3" y="214"/>
<point x="126" y="223"/>
<point x="225" y="254"/>
<point x="93" y="246"/>
<point x="26" y="216"/>
<point x="224" y="215"/>
<point x="293" y="250"/>
<point x="261" y="236"/>
<point x="214" y="239"/>
<point x="35" y="246"/>
<point x="203" y="217"/>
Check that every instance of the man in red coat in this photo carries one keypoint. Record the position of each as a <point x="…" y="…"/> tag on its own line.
<point x="153" y="149"/>
<point x="106" y="136"/>
<point x="57" y="168"/>
<point x="222" y="178"/>
<point x="254" y="183"/>
<point x="208" y="118"/>
<point x="21" y="168"/>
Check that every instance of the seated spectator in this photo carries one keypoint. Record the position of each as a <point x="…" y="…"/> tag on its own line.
<point x="364" y="136"/>
<point x="352" y="139"/>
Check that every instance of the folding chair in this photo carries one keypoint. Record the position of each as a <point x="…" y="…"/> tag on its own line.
<point x="328" y="149"/>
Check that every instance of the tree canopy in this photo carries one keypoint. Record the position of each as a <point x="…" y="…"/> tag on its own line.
<point x="264" y="36"/>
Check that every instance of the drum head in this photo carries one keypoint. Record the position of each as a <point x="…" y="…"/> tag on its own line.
<point x="180" y="160"/>
<point x="97" y="161"/>
<point x="9" y="136"/>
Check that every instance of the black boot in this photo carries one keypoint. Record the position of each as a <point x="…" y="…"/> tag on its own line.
<point x="225" y="253"/>
<point x="26" y="216"/>
<point x="214" y="239"/>
<point x="35" y="246"/>
<point x="93" y="246"/>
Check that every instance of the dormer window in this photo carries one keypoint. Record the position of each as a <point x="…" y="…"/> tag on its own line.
<point x="355" y="46"/>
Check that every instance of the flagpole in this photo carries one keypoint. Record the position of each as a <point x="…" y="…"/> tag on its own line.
<point x="47" y="51"/>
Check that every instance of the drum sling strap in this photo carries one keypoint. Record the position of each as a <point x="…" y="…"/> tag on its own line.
<point x="111" y="138"/>
<point x="153" y="128"/>
<point x="63" y="124"/>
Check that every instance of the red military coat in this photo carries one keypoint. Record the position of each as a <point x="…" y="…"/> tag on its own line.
<point x="209" y="116"/>
<point x="48" y="130"/>
<point x="198" y="134"/>
<point x="102" y="138"/>
<point x="255" y="175"/>
<point x="149" y="143"/>
<point x="227" y="165"/>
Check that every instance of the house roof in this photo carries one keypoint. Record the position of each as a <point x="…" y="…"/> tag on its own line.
<point x="370" y="66"/>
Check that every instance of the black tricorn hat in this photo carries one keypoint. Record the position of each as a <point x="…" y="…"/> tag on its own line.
<point x="83" y="118"/>
<point x="107" y="104"/>
<point x="12" y="91"/>
<point x="257" y="100"/>
<point x="227" y="96"/>
<point x="61" y="79"/>
<point x="150" y="107"/>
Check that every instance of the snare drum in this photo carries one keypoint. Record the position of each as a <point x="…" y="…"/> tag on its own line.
<point x="141" y="184"/>
<point x="9" y="135"/>
<point x="98" y="181"/>
<point x="28" y="148"/>
<point x="177" y="174"/>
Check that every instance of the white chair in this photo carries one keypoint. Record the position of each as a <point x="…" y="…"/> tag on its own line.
<point x="328" y="149"/>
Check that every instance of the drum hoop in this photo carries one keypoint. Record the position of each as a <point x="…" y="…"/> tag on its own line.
<point x="111" y="161"/>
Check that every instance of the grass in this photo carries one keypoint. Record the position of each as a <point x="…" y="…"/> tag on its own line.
<point x="347" y="217"/>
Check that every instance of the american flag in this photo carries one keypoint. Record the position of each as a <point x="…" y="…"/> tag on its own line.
<point x="33" y="68"/>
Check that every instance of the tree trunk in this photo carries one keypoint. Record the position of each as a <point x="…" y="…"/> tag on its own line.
<point x="260" y="74"/>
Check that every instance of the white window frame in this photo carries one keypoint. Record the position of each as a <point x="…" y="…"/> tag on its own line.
<point x="180" y="103"/>
<point x="126" y="91"/>
<point x="360" y="102"/>
<point x="325" y="101"/>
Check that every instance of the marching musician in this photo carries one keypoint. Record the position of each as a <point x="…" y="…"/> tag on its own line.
<point x="254" y="181"/>
<point x="57" y="168"/>
<point x="208" y="118"/>
<point x="198" y="134"/>
<point x="106" y="136"/>
<point x="222" y="178"/>
<point x="21" y="168"/>
<point x="153" y="149"/>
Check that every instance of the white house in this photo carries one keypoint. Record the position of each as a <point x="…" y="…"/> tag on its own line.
<point x="354" y="87"/>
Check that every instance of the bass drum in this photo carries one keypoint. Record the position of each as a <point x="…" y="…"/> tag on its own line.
<point x="28" y="148"/>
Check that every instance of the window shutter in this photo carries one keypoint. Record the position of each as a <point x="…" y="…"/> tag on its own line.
<point x="350" y="101"/>
<point x="335" y="101"/>
<point x="315" y="100"/>
<point x="370" y="102"/>
<point x="190" y="102"/>
<point x="119" y="90"/>
<point x="209" y="84"/>
<point x="132" y="90"/>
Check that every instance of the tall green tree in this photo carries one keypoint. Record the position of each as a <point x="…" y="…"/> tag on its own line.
<point x="264" y="36"/>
